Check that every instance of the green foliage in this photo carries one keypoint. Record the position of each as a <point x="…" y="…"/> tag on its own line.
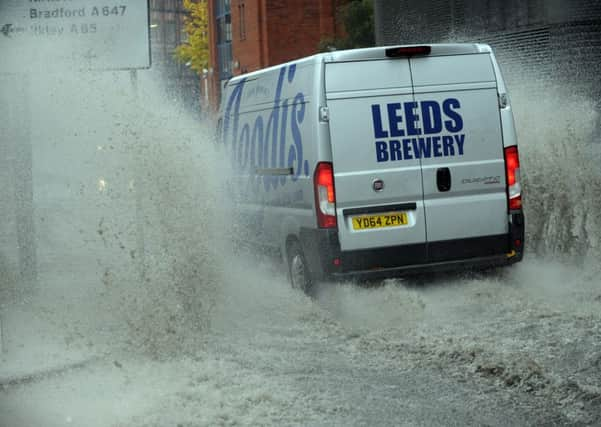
<point x="357" y="17"/>
<point x="196" y="50"/>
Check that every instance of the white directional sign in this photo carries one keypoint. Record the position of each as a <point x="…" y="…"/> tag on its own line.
<point x="79" y="34"/>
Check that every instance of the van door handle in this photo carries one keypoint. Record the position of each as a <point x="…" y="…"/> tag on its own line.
<point x="443" y="179"/>
<point x="274" y="171"/>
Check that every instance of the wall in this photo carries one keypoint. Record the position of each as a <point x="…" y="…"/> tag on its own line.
<point x="553" y="39"/>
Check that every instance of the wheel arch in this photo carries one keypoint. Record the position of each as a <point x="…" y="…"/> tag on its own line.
<point x="290" y="231"/>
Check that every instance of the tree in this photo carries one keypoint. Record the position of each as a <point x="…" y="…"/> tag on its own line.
<point x="358" y="19"/>
<point x="195" y="51"/>
<point x="357" y="16"/>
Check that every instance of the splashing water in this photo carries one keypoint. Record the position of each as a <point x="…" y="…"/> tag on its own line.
<point x="133" y="231"/>
<point x="129" y="239"/>
<point x="561" y="174"/>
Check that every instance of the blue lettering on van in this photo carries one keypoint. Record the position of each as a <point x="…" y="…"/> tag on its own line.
<point x="263" y="141"/>
<point x="399" y="136"/>
<point x="431" y="120"/>
<point x="395" y="120"/>
<point x="456" y="122"/>
<point x="411" y="118"/>
<point x="378" y="132"/>
<point x="382" y="151"/>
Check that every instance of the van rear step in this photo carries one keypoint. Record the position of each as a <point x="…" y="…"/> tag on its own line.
<point x="479" y="263"/>
<point x="426" y="253"/>
<point x="326" y="260"/>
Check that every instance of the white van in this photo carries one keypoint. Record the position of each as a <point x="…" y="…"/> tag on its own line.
<point x="377" y="162"/>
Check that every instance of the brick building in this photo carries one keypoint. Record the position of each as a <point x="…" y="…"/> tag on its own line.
<point x="247" y="35"/>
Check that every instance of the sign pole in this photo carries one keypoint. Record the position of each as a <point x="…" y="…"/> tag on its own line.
<point x="2" y="345"/>
<point x="26" y="241"/>
<point x="139" y="211"/>
<point x="16" y="135"/>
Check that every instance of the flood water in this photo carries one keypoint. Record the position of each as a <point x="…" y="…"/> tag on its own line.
<point x="140" y="312"/>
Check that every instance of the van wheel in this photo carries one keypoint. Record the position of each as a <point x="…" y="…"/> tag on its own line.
<point x="298" y="270"/>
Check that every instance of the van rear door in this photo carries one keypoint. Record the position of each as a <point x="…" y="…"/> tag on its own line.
<point x="462" y="156"/>
<point x="379" y="197"/>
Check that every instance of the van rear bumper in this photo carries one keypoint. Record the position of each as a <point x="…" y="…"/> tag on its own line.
<point x="326" y="260"/>
<point x="433" y="267"/>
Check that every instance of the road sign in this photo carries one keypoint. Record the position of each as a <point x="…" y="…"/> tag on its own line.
<point x="74" y="34"/>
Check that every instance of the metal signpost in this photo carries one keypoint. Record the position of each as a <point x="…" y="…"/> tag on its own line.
<point x="54" y="35"/>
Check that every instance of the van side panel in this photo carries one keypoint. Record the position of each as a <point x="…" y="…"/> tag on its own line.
<point x="268" y="128"/>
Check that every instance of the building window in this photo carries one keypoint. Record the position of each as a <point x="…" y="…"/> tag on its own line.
<point x="224" y="53"/>
<point x="242" y="15"/>
<point x="223" y="20"/>
<point x="224" y="29"/>
<point x="222" y="7"/>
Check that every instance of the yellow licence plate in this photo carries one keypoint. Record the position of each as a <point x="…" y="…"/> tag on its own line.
<point x="367" y="222"/>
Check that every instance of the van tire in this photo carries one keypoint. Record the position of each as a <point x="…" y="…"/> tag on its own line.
<point x="298" y="270"/>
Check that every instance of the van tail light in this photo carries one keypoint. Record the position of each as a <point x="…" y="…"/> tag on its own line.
<point x="512" y="168"/>
<point x="325" y="198"/>
<point x="405" y="51"/>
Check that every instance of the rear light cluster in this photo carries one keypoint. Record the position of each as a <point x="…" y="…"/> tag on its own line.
<point x="405" y="51"/>
<point x="325" y="198"/>
<point x="512" y="167"/>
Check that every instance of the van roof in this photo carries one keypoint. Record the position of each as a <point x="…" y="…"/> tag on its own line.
<point x="379" y="52"/>
<point x="440" y="49"/>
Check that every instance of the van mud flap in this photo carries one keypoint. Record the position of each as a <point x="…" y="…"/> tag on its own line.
<point x="516" y="236"/>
